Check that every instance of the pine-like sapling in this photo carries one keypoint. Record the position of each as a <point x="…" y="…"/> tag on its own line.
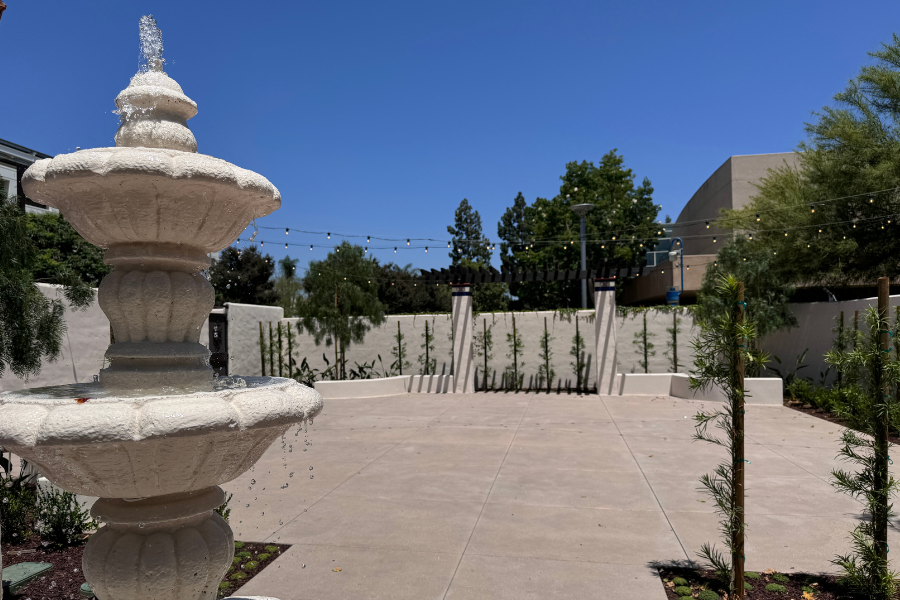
<point x="545" y="371"/>
<point x="671" y="351"/>
<point x="399" y="352"/>
<point x="866" y="570"/>
<point x="516" y="345"/>
<point x="721" y="352"/>
<point x="484" y="346"/>
<point x="577" y="351"/>
<point x="426" y="359"/>
<point x="645" y="348"/>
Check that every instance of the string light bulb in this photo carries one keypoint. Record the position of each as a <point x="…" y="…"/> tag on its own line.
<point x="714" y="240"/>
<point x="285" y="245"/>
<point x="261" y="243"/>
<point x="368" y="240"/>
<point x="871" y="199"/>
<point x="286" y="231"/>
<point x="329" y="235"/>
<point x="757" y="217"/>
<point x="448" y="244"/>
<point x="707" y="224"/>
<point x="407" y="241"/>
<point x="812" y="208"/>
<point x="785" y="234"/>
<point x="751" y="237"/>
<point x="426" y="248"/>
<point x="395" y="249"/>
<point x="310" y="246"/>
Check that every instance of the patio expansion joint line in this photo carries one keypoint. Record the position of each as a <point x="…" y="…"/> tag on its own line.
<point x="270" y="536"/>
<point x="644" y="475"/>
<point x="488" y="496"/>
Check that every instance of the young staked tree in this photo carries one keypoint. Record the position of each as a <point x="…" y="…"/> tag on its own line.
<point x="545" y="234"/>
<point x="873" y="394"/>
<point x="721" y="353"/>
<point x="289" y="287"/>
<point x="484" y="346"/>
<point x="31" y="324"/>
<point x="341" y="303"/>
<point x="244" y="276"/>
<point x="645" y="348"/>
<point x="853" y="151"/>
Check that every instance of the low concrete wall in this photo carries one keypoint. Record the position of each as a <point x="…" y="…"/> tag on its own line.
<point x="243" y="336"/>
<point x="631" y="324"/>
<point x="364" y="388"/>
<point x="650" y="384"/>
<point x="758" y="390"/>
<point x="431" y="384"/>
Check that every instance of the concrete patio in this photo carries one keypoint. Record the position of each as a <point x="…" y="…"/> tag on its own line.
<point x="527" y="496"/>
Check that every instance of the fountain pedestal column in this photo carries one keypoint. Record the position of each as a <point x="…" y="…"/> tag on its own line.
<point x="170" y="547"/>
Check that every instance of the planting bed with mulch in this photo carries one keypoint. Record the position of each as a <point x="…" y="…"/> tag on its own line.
<point x="781" y="586"/>
<point x="827" y="416"/>
<point x="64" y="580"/>
<point x="249" y="559"/>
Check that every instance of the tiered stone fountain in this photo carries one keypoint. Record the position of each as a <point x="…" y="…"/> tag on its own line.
<point x="157" y="435"/>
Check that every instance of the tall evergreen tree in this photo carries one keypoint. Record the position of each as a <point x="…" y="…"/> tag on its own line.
<point x="289" y="287"/>
<point x="244" y="276"/>
<point x="545" y="235"/>
<point x="468" y="239"/>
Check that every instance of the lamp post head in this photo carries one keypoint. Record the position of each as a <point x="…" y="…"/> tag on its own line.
<point x="582" y="209"/>
<point x="673" y="254"/>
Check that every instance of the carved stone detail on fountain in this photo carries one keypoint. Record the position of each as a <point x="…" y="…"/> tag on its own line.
<point x="157" y="435"/>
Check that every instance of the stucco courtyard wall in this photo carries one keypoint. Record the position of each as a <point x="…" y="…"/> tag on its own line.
<point x="83" y="346"/>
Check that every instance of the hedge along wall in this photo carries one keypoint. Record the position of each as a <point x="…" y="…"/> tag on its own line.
<point x="659" y="322"/>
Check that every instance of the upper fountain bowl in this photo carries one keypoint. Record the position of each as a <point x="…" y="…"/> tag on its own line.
<point x="152" y="187"/>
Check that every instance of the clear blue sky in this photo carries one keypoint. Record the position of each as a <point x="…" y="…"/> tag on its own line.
<point x="379" y="117"/>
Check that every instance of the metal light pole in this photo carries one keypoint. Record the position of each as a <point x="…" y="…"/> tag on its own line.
<point x="582" y="210"/>
<point x="672" y="255"/>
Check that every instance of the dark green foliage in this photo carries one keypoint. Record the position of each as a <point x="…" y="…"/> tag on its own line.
<point x="781" y="578"/>
<point x="244" y="276"/>
<point x="722" y="342"/>
<point x="61" y="248"/>
<point x="264" y="556"/>
<point x="363" y="371"/>
<point x="341" y="303"/>
<point x="223" y="511"/>
<point x="683" y="591"/>
<point x="288" y="286"/>
<point x="31" y="324"/>
<point x="238" y="545"/>
<point x="251" y="565"/>
<point x="468" y="239"/>
<point x="707" y="595"/>
<point x="236" y="561"/>
<point x="61" y="519"/>
<point x="766" y="286"/>
<point x="270" y="550"/>
<point x="775" y="587"/>
<point x="853" y="148"/>
<point x="747" y="586"/>
<point x="751" y="575"/>
<point x="671" y="351"/>
<point x="238" y="575"/>
<point x="619" y="206"/>
<point x="244" y="555"/>
<point x="18" y="509"/>
<point x="679" y="581"/>
<point x="866" y="571"/>
<point x="401" y="294"/>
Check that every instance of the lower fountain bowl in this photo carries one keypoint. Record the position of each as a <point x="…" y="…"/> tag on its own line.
<point x="103" y="443"/>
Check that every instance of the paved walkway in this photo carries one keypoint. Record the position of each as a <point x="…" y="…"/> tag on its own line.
<point x="527" y="496"/>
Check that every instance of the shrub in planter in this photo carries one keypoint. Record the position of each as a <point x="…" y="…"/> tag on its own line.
<point x="238" y="545"/>
<point x="263" y="556"/>
<point x="61" y="519"/>
<point x="244" y="554"/>
<point x="780" y="577"/>
<point x="271" y="549"/>
<point x="683" y="590"/>
<point x="237" y="576"/>
<point x="707" y="595"/>
<point x="680" y="581"/>
<point x="251" y="565"/>
<point x="17" y="510"/>
<point x="775" y="587"/>
<point x="751" y="575"/>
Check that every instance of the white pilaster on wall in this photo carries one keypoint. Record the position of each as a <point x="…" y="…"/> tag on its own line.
<point x="463" y="365"/>
<point x="605" y="320"/>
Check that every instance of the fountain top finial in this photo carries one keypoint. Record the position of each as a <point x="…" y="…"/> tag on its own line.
<point x="151" y="45"/>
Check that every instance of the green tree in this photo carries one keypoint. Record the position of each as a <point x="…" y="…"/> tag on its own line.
<point x="244" y="276"/>
<point x="31" y="324"/>
<point x="427" y="359"/>
<point x="402" y="292"/>
<point x="468" y="239"/>
<point x="767" y="288"/>
<point x="289" y="287"/>
<point x="853" y="149"/>
<point x="545" y="235"/>
<point x="645" y="348"/>
<point x="60" y="247"/>
<point x="341" y="303"/>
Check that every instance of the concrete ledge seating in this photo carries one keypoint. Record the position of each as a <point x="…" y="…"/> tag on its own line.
<point x="760" y="390"/>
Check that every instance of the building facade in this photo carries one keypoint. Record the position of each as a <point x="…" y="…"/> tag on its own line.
<point x="14" y="160"/>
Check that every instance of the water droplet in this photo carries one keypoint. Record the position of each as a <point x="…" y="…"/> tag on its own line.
<point x="310" y="468"/>
<point x="252" y="482"/>
<point x="292" y="474"/>
<point x="310" y="476"/>
<point x="303" y="566"/>
<point x="141" y="525"/>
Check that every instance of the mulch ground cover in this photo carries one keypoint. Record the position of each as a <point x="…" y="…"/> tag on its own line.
<point x="827" y="416"/>
<point x="794" y="586"/>
<point x="64" y="580"/>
